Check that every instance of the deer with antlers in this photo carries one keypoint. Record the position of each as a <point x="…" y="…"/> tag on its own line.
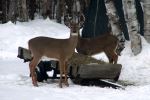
<point x="59" y="49"/>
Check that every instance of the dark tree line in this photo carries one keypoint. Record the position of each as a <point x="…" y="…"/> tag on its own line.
<point x="24" y="10"/>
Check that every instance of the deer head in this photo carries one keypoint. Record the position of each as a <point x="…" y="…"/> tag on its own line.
<point x="74" y="23"/>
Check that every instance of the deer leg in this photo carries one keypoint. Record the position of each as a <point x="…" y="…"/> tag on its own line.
<point x="65" y="72"/>
<point x="61" y="72"/>
<point x="115" y="57"/>
<point x="32" y="66"/>
<point x="109" y="56"/>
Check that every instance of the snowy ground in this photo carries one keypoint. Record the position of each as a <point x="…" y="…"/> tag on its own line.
<point x="15" y="83"/>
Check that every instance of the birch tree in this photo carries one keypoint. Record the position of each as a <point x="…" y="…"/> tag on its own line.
<point x="146" y="8"/>
<point x="129" y="6"/>
<point x="115" y="24"/>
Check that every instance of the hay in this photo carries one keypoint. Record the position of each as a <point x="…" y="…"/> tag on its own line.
<point x="80" y="59"/>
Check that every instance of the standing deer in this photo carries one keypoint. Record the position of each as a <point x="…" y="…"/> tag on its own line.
<point x="106" y="43"/>
<point x="59" y="49"/>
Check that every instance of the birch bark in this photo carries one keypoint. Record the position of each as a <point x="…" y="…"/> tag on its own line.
<point x="146" y="8"/>
<point x="129" y="6"/>
<point x="115" y="25"/>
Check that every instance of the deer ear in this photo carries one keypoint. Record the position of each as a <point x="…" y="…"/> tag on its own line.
<point x="81" y="22"/>
<point x="67" y="24"/>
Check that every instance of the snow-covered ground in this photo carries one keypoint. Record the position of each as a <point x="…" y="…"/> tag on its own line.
<point x="15" y="83"/>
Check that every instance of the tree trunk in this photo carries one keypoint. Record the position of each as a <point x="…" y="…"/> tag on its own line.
<point x="140" y="16"/>
<point x="131" y="18"/>
<point x="69" y="4"/>
<point x="22" y="9"/>
<point x="12" y="10"/>
<point x="4" y="10"/>
<point x="54" y="2"/>
<point x="32" y="8"/>
<point x="146" y="8"/>
<point x="49" y="8"/>
<point x="44" y="8"/>
<point x="115" y="24"/>
<point x="119" y="8"/>
<point x="59" y="10"/>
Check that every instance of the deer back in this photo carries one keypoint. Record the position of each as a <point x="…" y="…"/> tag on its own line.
<point x="91" y="46"/>
<point x="53" y="48"/>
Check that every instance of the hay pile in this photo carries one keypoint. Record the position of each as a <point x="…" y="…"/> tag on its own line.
<point x="80" y="59"/>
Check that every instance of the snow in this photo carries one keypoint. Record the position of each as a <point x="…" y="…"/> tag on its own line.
<point x="15" y="83"/>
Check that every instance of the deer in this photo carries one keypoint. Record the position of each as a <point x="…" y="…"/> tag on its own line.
<point x="106" y="43"/>
<point x="58" y="49"/>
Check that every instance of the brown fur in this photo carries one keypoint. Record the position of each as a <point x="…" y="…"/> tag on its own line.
<point x="106" y="43"/>
<point x="60" y="49"/>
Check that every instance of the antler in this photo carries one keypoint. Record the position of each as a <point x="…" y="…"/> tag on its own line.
<point x="82" y="19"/>
<point x="74" y="19"/>
<point x="67" y="20"/>
<point x="77" y="16"/>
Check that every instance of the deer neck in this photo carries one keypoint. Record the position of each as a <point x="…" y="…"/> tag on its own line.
<point x="74" y="39"/>
<point x="74" y="35"/>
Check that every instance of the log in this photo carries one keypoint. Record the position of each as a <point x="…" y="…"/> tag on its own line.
<point x="24" y="54"/>
<point x="96" y="71"/>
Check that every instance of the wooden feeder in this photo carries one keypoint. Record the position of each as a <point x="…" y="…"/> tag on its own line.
<point x="82" y="68"/>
